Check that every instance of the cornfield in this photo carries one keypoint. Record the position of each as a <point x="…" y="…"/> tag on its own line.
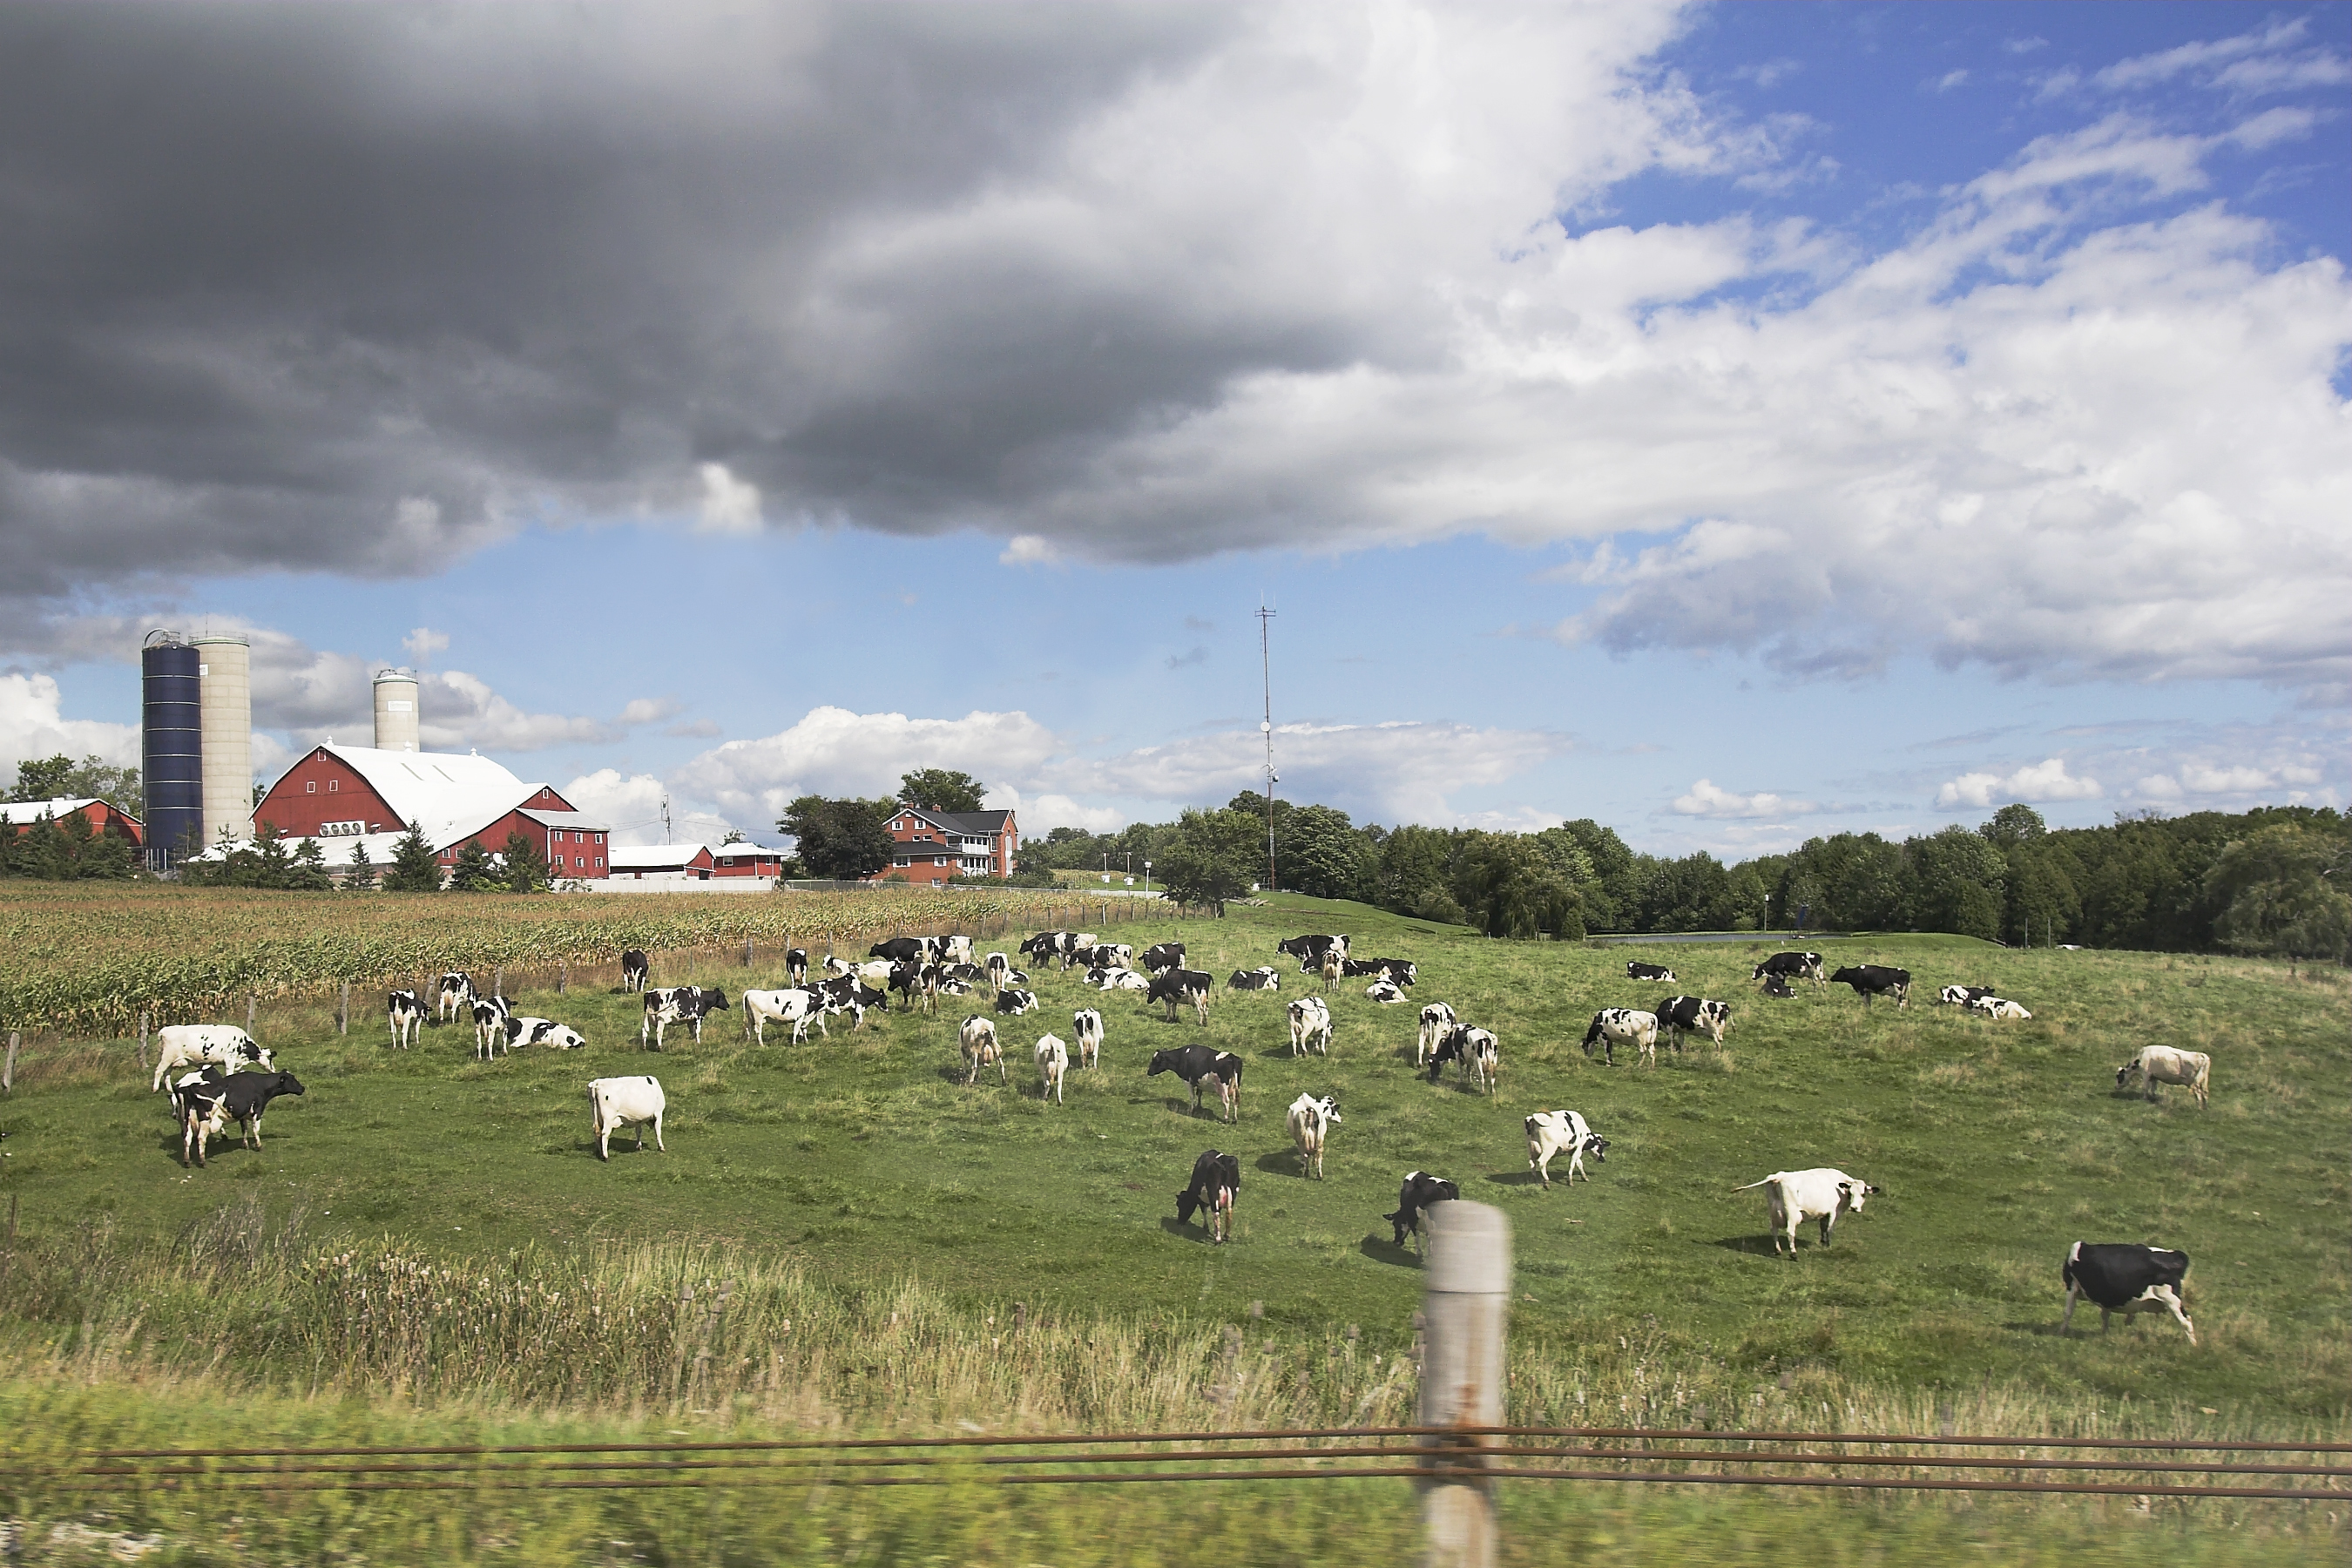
<point x="88" y="959"/>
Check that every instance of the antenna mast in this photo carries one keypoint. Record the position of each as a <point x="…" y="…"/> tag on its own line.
<point x="665" y="819"/>
<point x="1266" y="727"/>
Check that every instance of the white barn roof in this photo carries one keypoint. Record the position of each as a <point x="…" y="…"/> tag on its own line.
<point x="452" y="796"/>
<point x="20" y="812"/>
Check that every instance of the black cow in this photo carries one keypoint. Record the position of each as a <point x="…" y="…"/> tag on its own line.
<point x="1636" y="970"/>
<point x="796" y="966"/>
<point x="1166" y="956"/>
<point x="1414" y="1200"/>
<point x="2126" y="1278"/>
<point x="1801" y="965"/>
<point x="1193" y="985"/>
<point x="1266" y="979"/>
<point x="1403" y="970"/>
<point x="635" y="968"/>
<point x="1199" y="1064"/>
<point x="1777" y="985"/>
<point x="899" y="949"/>
<point x="240" y="1098"/>
<point x="1216" y="1178"/>
<point x="1310" y="950"/>
<point x="1873" y="980"/>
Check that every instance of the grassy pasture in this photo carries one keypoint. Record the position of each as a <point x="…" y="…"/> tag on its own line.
<point x="866" y="1158"/>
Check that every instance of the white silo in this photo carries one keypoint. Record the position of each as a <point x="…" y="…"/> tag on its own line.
<point x="396" y="710"/>
<point x="225" y="705"/>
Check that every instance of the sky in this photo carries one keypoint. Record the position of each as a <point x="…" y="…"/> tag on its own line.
<point x="1736" y="423"/>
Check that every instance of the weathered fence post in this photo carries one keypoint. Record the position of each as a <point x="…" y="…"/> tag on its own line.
<point x="562" y="976"/>
<point x="499" y="981"/>
<point x="250" y="1001"/>
<point x="8" y="1067"/>
<point x="747" y="952"/>
<point x="1467" y="1299"/>
<point x="343" y="1020"/>
<point x="143" y="1039"/>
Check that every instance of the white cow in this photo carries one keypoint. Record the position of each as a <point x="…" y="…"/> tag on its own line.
<point x="2162" y="1064"/>
<point x="1053" y="1066"/>
<point x="1550" y="1133"/>
<point x="183" y="1045"/>
<point x="1310" y="1025"/>
<point x="1614" y="1026"/>
<point x="1437" y="1021"/>
<point x="1792" y="1197"/>
<point x="1384" y="991"/>
<point x="978" y="1038"/>
<point x="406" y="1016"/>
<point x="1311" y="1121"/>
<point x="1999" y="1008"/>
<point x="799" y="1008"/>
<point x="1088" y="1025"/>
<point x="617" y="1102"/>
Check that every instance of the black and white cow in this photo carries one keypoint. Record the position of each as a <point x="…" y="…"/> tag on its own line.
<point x="1636" y="970"/>
<point x="452" y="996"/>
<point x="2126" y="1278"/>
<point x="1961" y="995"/>
<point x="1000" y="971"/>
<point x="1475" y="1049"/>
<point x="1310" y="950"/>
<point x="1419" y="1192"/>
<point x="1798" y="965"/>
<point x="1778" y="985"/>
<point x="1437" y="1021"/>
<point x="798" y="1007"/>
<point x="899" y="949"/>
<point x="1104" y="955"/>
<point x="1550" y="1133"/>
<point x="1086" y="1023"/>
<point x="1119" y="980"/>
<point x="1216" y="1180"/>
<point x="614" y="1103"/>
<point x="490" y="1015"/>
<point x="1403" y="970"/>
<point x="1871" y="981"/>
<point x="1012" y="1001"/>
<point x="406" y="1013"/>
<point x="1180" y="985"/>
<point x="180" y="1047"/>
<point x="976" y="1040"/>
<point x="1264" y="979"/>
<point x="670" y="1004"/>
<point x="523" y="1031"/>
<point x="635" y="968"/>
<point x="2165" y="1064"/>
<point x="1164" y="957"/>
<point x="1053" y="1066"/>
<point x="1310" y="1025"/>
<point x="1311" y="1121"/>
<point x="1682" y="1013"/>
<point x="1045" y="945"/>
<point x="1999" y="1008"/>
<point x="1792" y="1197"/>
<point x="1197" y="1064"/>
<point x="1385" y="991"/>
<point x="796" y="965"/>
<point x="1614" y="1026"/>
<point x="207" y="1109"/>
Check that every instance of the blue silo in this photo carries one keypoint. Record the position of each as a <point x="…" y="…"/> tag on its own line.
<point x="172" y="769"/>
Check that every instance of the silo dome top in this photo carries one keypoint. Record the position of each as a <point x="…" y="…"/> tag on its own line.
<point x="403" y="674"/>
<point x="221" y="637"/>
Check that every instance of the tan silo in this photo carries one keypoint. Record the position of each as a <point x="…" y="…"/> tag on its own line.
<point x="396" y="710"/>
<point x="225" y="723"/>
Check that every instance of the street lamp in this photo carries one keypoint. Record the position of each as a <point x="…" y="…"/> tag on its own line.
<point x="1147" y="879"/>
<point x="1767" y="911"/>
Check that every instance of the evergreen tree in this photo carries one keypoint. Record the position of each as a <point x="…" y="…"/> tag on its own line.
<point x="475" y="872"/>
<point x="527" y="870"/>
<point x="414" y="867"/>
<point x="273" y="865"/>
<point x="308" y="874"/>
<point x="361" y="877"/>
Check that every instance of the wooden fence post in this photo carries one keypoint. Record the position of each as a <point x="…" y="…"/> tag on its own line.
<point x="562" y="976"/>
<point x="747" y="952"/>
<point x="143" y="1039"/>
<point x="1466" y="1299"/>
<point x="343" y="1018"/>
<point x="499" y="981"/>
<point x="250" y="1001"/>
<point x="8" y="1067"/>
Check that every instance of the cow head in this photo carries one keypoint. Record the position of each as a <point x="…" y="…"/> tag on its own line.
<point x="1598" y="1147"/>
<point x="1160" y="1064"/>
<point x="1851" y="1194"/>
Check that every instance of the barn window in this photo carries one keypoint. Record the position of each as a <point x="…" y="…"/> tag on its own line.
<point x="312" y="787"/>
<point x="334" y="785"/>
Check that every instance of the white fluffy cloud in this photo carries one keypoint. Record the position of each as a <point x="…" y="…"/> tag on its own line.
<point x="33" y="725"/>
<point x="832" y="751"/>
<point x="2036" y="783"/>
<point x="632" y="803"/>
<point x="1705" y="799"/>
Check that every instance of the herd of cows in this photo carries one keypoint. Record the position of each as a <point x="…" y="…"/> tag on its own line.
<point x="219" y="1075"/>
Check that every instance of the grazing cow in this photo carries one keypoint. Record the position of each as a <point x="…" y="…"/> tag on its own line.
<point x="1000" y="971"/>
<point x="1613" y="1026"/>
<point x="977" y="1039"/>
<point x="1384" y="992"/>
<point x="1075" y="943"/>
<point x="1012" y="1001"/>
<point x="2126" y="1278"/>
<point x="666" y="1005"/>
<point x="1120" y="980"/>
<point x="1310" y="1025"/>
<point x="1216" y="1178"/>
<point x="614" y="1103"/>
<point x="2162" y="1064"/>
<point x="920" y="983"/>
<point x="1311" y="1121"/>
<point x="2000" y="1007"/>
<point x="209" y="1076"/>
<point x="1871" y="981"/>
<point x="1310" y="950"/>
<point x="1053" y="1066"/>
<point x="406" y="1014"/>
<point x="490" y="1015"/>
<point x="900" y="950"/>
<point x="1636" y="970"/>
<point x="1551" y="1131"/>
<point x="1802" y="966"/>
<point x="1961" y="995"/>
<point x="1332" y="969"/>
<point x="183" y="1046"/>
<point x="1437" y="1021"/>
<point x="1264" y="979"/>
<point x="835" y="967"/>
<point x="796" y="965"/>
<point x="1193" y="985"/>
<point x="1419" y="1192"/>
<point x="1475" y="1049"/>
<point x="1042" y="946"/>
<point x="798" y="1007"/>
<point x="1166" y="956"/>
<point x="1087" y="1025"/>
<point x="1778" y="985"/>
<point x="1792" y="1197"/>
<point x="1199" y="1064"/>
<point x="208" y="1108"/>
<point x="523" y="1031"/>
<point x="635" y="968"/>
<point x="453" y="995"/>
<point x="1679" y="1014"/>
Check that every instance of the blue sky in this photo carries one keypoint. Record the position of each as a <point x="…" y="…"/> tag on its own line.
<point x="1735" y="423"/>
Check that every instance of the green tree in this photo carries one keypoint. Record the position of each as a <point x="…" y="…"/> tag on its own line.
<point x="43" y="778"/>
<point x="1613" y="898"/>
<point x="1323" y="856"/>
<point x="1958" y="882"/>
<point x="474" y="871"/>
<point x="526" y="869"/>
<point x="307" y="872"/>
<point x="842" y="839"/>
<point x="2014" y="824"/>
<point x="414" y="866"/>
<point x="60" y="777"/>
<point x="2278" y="895"/>
<point x="1213" y="859"/>
<point x="940" y="789"/>
<point x="1415" y="866"/>
<point x="1510" y="887"/>
<point x="361" y="877"/>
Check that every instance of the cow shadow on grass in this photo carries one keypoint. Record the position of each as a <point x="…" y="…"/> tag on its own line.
<point x="1516" y="1179"/>
<point x="1754" y="1245"/>
<point x="1185" y="1230"/>
<point x="1283" y="1164"/>
<point x="1380" y="1250"/>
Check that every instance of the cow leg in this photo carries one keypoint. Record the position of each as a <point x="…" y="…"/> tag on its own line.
<point x="2171" y="1300"/>
<point x="2067" y="1319"/>
<point x="604" y="1142"/>
<point x="1829" y="1223"/>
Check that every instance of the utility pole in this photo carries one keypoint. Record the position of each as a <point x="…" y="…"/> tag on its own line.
<point x="1266" y="727"/>
<point x="665" y="819"/>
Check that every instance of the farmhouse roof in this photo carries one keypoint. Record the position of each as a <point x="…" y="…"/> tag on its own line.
<point x="972" y="822"/>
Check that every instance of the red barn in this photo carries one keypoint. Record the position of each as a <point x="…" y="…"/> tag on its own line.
<point x="103" y="816"/>
<point x="356" y="793"/>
